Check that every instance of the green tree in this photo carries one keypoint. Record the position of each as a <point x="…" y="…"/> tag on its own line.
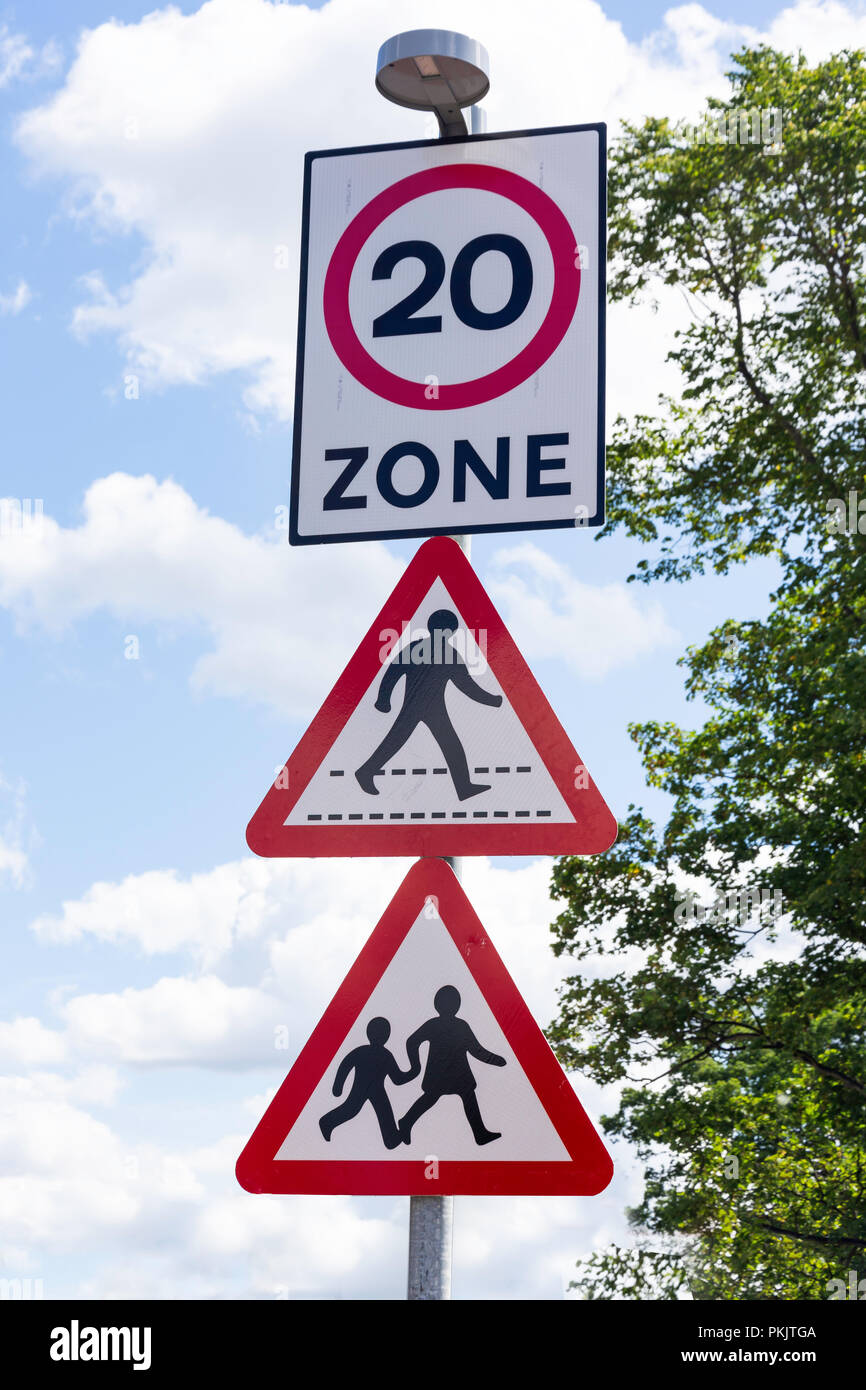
<point x="740" y="1036"/>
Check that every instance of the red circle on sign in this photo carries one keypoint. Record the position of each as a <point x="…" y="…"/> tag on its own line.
<point x="566" y="287"/>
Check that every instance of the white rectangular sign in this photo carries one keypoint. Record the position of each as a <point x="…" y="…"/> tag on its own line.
<point x="450" y="373"/>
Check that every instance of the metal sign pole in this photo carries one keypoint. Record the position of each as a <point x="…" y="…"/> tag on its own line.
<point x="431" y="1222"/>
<point x="446" y="73"/>
<point x="431" y="1219"/>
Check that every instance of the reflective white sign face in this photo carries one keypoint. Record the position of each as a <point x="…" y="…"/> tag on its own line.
<point x="450" y="370"/>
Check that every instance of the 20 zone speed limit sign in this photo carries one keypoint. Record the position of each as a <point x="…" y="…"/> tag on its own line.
<point x="450" y="373"/>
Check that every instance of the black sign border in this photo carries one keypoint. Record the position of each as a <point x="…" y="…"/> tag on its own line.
<point x="418" y="532"/>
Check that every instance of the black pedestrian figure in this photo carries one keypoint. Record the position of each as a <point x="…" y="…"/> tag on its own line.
<point x="428" y="664"/>
<point x="372" y="1065"/>
<point x="448" y="1073"/>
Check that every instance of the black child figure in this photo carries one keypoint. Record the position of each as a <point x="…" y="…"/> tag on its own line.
<point x="428" y="664"/>
<point x="371" y="1065"/>
<point x="448" y="1073"/>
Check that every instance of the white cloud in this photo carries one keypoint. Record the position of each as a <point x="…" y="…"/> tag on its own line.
<point x="146" y="552"/>
<point x="159" y="911"/>
<point x="97" y="1084"/>
<point x="19" y="59"/>
<point x="270" y="941"/>
<point x="28" y="1041"/>
<point x="167" y="1221"/>
<point x="14" y="861"/>
<point x="15" y="54"/>
<point x="68" y="1181"/>
<point x="18" y="300"/>
<point x="204" y="1022"/>
<point x="278" y="618"/>
<point x="163" y="1219"/>
<point x="819" y="28"/>
<point x="190" y="129"/>
<point x="47" y="1137"/>
<point x="175" y="1221"/>
<point x="592" y="628"/>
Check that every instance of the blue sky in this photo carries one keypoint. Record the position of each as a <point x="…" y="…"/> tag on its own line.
<point x="44" y="22"/>
<point x="140" y="259"/>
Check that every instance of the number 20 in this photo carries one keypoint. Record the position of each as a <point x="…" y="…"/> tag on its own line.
<point x="399" y="319"/>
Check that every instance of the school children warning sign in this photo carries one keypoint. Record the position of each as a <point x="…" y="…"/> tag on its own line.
<point x="427" y="1074"/>
<point x="436" y="739"/>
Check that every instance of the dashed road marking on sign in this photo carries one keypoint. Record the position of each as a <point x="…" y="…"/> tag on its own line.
<point x="315" y="817"/>
<point x="318" y="816"/>
<point x="423" y="771"/>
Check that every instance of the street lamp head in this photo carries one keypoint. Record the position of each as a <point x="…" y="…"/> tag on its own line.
<point x="434" y="70"/>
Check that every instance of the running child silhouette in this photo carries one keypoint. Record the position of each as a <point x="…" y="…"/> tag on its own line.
<point x="451" y="1042"/>
<point x="372" y="1065"/>
<point x="428" y="664"/>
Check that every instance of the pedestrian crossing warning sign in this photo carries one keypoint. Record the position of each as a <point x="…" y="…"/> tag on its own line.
<point x="436" y="740"/>
<point x="427" y="1073"/>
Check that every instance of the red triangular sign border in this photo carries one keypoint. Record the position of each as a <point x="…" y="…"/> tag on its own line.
<point x="590" y="1167"/>
<point x="594" y="829"/>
